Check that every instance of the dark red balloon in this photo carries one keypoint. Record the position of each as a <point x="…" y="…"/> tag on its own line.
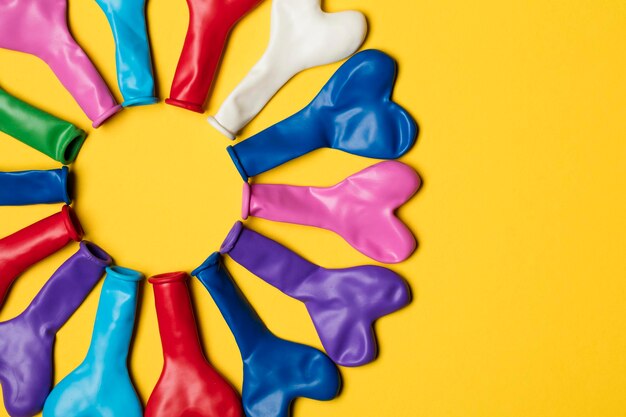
<point x="189" y="385"/>
<point x="210" y="22"/>
<point x="34" y="243"/>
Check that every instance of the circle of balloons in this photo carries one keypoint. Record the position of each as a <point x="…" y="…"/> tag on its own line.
<point x="354" y="112"/>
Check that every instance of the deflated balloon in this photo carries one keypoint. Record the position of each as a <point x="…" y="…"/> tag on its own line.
<point x="302" y="36"/>
<point x="19" y="188"/>
<point x="101" y="385"/>
<point x="132" y="50"/>
<point x="39" y="27"/>
<point x="210" y="22"/>
<point x="275" y="371"/>
<point x="34" y="243"/>
<point x="188" y="385"/>
<point x="353" y="113"/>
<point x="361" y="208"/>
<point x="58" y="139"/>
<point x="343" y="303"/>
<point x="27" y="341"/>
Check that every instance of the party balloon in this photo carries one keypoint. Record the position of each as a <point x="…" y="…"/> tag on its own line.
<point x="360" y="208"/>
<point x="101" y="384"/>
<point x="353" y="113"/>
<point x="188" y="385"/>
<point x="302" y="36"/>
<point x="275" y="371"/>
<point x="39" y="27"/>
<point x="34" y="243"/>
<point x="27" y="341"/>
<point x="132" y="50"/>
<point x="19" y="188"/>
<point x="343" y="303"/>
<point x="58" y="139"/>
<point x="210" y="22"/>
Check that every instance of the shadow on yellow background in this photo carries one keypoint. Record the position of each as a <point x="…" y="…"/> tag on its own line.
<point x="520" y="278"/>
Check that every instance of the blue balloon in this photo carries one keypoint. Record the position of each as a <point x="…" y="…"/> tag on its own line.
<point x="20" y="188"/>
<point x="353" y="113"/>
<point x="132" y="50"/>
<point x="275" y="371"/>
<point x="101" y="385"/>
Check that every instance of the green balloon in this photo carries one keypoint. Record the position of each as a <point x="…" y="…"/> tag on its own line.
<point x="58" y="139"/>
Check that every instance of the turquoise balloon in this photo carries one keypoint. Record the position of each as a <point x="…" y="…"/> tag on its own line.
<point x="101" y="384"/>
<point x="132" y="50"/>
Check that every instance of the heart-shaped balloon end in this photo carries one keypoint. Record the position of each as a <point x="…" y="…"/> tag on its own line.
<point x="279" y="371"/>
<point x="369" y="222"/>
<point x="358" y="112"/>
<point x="345" y="303"/>
<point x="321" y="38"/>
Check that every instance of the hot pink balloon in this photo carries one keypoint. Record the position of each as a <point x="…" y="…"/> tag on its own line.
<point x="361" y="208"/>
<point x="39" y="27"/>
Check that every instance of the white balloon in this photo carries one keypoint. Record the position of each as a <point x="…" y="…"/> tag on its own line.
<point x="302" y="36"/>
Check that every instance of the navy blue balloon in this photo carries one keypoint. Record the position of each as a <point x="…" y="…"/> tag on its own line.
<point x="353" y="113"/>
<point x="20" y="188"/>
<point x="275" y="371"/>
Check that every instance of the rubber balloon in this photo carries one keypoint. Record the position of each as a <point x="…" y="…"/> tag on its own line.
<point x="188" y="385"/>
<point x="302" y="36"/>
<point x="132" y="50"/>
<point x="360" y="208"/>
<point x="27" y="341"/>
<point x="353" y="113"/>
<point x="275" y="371"/>
<point x="34" y="243"/>
<point x="19" y="188"/>
<point x="210" y="22"/>
<point x="39" y="27"/>
<point x="101" y="384"/>
<point x="58" y="139"/>
<point x="343" y="303"/>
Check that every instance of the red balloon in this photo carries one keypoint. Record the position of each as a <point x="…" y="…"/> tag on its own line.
<point x="210" y="22"/>
<point x="189" y="385"/>
<point x="34" y="243"/>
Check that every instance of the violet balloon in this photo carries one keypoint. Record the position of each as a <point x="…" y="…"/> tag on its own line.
<point x="27" y="341"/>
<point x="343" y="303"/>
<point x="361" y="208"/>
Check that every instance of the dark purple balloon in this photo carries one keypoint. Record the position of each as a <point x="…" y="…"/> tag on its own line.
<point x="343" y="303"/>
<point x="26" y="342"/>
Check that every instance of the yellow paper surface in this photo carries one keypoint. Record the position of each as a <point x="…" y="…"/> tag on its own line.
<point x="520" y="277"/>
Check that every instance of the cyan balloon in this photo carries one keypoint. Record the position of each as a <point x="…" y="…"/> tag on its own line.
<point x="132" y="50"/>
<point x="101" y="384"/>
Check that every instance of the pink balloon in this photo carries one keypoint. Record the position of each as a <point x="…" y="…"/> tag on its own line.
<point x="361" y="208"/>
<point x="39" y="27"/>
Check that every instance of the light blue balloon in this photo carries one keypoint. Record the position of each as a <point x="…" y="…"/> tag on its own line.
<point x="101" y="385"/>
<point x="132" y="50"/>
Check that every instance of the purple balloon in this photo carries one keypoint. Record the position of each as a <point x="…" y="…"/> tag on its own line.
<point x="27" y="341"/>
<point x="343" y="303"/>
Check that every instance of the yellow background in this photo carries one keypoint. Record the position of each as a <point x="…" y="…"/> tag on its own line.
<point x="520" y="278"/>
